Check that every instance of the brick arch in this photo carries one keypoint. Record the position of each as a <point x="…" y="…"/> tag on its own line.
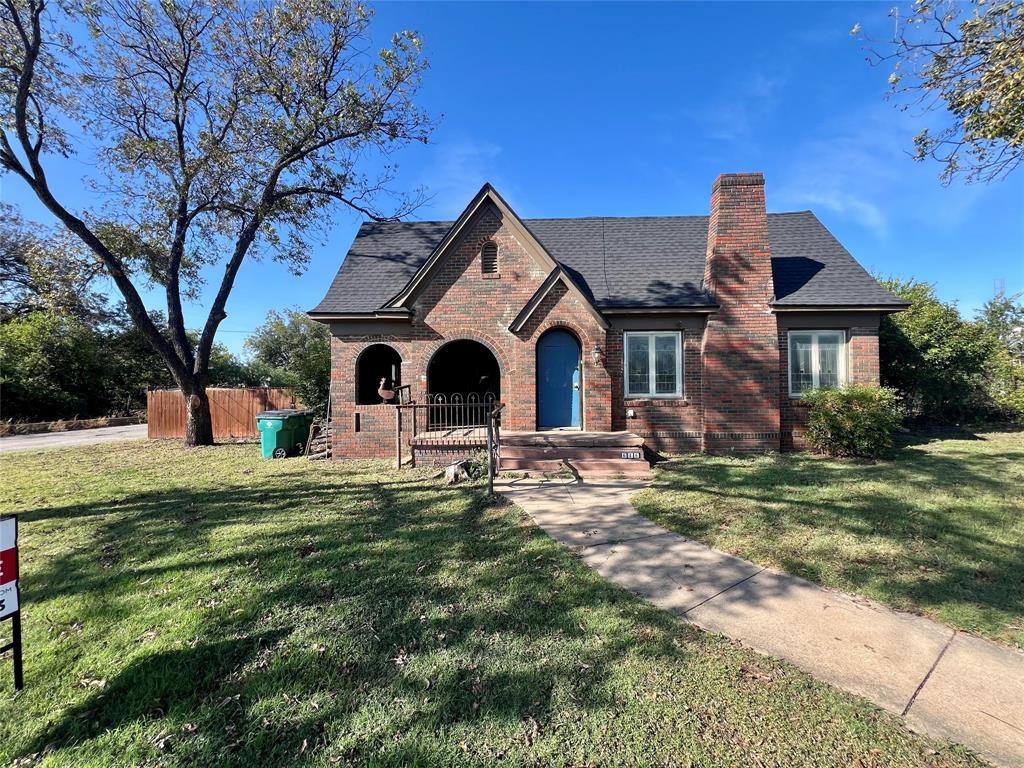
<point x="357" y="361"/>
<point x="457" y="371"/>
<point x="396" y="347"/>
<point x="581" y="334"/>
<point x="480" y="338"/>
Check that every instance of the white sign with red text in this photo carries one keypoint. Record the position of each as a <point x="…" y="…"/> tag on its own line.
<point x="8" y="566"/>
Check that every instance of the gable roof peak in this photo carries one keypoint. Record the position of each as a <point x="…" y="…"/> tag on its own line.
<point x="522" y="232"/>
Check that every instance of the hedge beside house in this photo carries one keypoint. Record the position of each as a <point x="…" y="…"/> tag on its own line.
<point x="856" y="420"/>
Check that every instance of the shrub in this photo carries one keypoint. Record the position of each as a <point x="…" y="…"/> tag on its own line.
<point x="856" y="420"/>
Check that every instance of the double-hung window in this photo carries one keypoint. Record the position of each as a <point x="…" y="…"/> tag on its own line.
<point x="816" y="359"/>
<point x="654" y="364"/>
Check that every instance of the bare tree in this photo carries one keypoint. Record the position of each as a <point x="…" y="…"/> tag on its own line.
<point x="969" y="58"/>
<point x="223" y="129"/>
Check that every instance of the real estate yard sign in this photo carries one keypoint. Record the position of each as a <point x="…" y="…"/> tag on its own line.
<point x="9" y="604"/>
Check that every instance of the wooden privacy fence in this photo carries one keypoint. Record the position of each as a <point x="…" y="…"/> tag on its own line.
<point x="234" y="410"/>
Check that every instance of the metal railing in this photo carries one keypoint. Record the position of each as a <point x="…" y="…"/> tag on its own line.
<point x="448" y="411"/>
<point x="493" y="446"/>
<point x="447" y="424"/>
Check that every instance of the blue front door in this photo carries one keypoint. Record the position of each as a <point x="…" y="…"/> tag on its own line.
<point x="558" y="380"/>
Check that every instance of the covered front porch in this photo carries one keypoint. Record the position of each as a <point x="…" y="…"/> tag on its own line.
<point x="442" y="432"/>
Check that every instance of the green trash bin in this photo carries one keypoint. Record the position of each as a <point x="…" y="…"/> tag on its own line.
<point x="283" y="432"/>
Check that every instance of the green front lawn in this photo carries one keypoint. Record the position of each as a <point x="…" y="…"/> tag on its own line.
<point x="208" y="608"/>
<point x="936" y="528"/>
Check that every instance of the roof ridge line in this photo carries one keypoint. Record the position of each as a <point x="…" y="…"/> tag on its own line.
<point x="449" y="222"/>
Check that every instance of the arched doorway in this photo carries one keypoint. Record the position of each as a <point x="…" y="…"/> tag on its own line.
<point x="559" y="385"/>
<point x="376" y="362"/>
<point x="463" y="384"/>
<point x="464" y="370"/>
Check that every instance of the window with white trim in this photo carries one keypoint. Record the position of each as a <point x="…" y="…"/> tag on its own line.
<point x="816" y="359"/>
<point x="654" y="364"/>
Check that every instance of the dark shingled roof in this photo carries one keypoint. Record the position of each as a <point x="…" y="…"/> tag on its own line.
<point x="638" y="262"/>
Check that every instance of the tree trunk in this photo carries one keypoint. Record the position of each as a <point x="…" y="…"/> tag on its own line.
<point x="198" y="420"/>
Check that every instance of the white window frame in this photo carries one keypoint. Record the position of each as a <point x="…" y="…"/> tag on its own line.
<point x="815" y="334"/>
<point x="650" y="335"/>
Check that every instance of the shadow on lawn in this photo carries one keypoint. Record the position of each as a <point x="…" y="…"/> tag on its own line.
<point x="422" y="606"/>
<point x="959" y="552"/>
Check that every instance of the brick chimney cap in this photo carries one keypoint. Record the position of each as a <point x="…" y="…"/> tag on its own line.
<point x="738" y="180"/>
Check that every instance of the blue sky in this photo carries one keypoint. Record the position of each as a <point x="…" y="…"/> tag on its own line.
<point x="591" y="109"/>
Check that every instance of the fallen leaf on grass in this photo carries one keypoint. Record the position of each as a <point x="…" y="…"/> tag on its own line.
<point x="162" y="741"/>
<point x="532" y="731"/>
<point x="753" y="673"/>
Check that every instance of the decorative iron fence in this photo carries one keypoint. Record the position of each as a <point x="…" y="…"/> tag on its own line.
<point x="448" y="411"/>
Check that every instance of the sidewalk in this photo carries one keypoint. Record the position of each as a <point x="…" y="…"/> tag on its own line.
<point x="946" y="683"/>
<point x="42" y="440"/>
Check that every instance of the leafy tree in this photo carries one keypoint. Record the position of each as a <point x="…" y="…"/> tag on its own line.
<point x="224" y="129"/>
<point x="969" y="57"/>
<point x="50" y="365"/>
<point x="933" y="357"/>
<point x="1003" y="317"/>
<point x="227" y="370"/>
<point x="131" y="365"/>
<point x="1005" y="384"/>
<point x="44" y="271"/>
<point x="298" y="351"/>
<point x="54" y="365"/>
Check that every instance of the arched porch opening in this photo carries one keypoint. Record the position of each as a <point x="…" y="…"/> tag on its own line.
<point x="377" y="362"/>
<point x="464" y="370"/>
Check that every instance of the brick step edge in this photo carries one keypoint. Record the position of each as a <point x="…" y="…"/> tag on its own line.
<point x="554" y="453"/>
<point x="625" y="440"/>
<point x="591" y="467"/>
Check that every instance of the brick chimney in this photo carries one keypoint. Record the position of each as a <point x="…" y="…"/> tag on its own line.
<point x="741" y="343"/>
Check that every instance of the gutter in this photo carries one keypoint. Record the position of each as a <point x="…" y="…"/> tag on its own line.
<point x="680" y="310"/>
<point x="391" y="314"/>
<point x="840" y="307"/>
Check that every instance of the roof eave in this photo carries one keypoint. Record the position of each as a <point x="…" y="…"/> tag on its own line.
<point x="682" y="309"/>
<point x="411" y="287"/>
<point x="403" y="315"/>
<point x="556" y="275"/>
<point x="892" y="307"/>
<point x="519" y="230"/>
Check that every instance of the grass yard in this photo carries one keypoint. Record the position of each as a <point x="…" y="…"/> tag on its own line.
<point x="936" y="528"/>
<point x="208" y="608"/>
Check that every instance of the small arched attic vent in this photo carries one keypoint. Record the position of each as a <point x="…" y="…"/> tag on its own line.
<point x="489" y="258"/>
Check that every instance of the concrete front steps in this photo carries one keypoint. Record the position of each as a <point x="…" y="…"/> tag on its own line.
<point x="589" y="454"/>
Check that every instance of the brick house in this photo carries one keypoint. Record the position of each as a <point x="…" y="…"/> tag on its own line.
<point x="688" y="332"/>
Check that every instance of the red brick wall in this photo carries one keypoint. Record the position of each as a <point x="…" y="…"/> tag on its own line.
<point x="740" y="345"/>
<point x="460" y="303"/>
<point x="666" y="424"/>
<point x="861" y="363"/>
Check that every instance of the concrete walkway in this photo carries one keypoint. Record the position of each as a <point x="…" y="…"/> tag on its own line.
<point x="945" y="683"/>
<point x="72" y="437"/>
